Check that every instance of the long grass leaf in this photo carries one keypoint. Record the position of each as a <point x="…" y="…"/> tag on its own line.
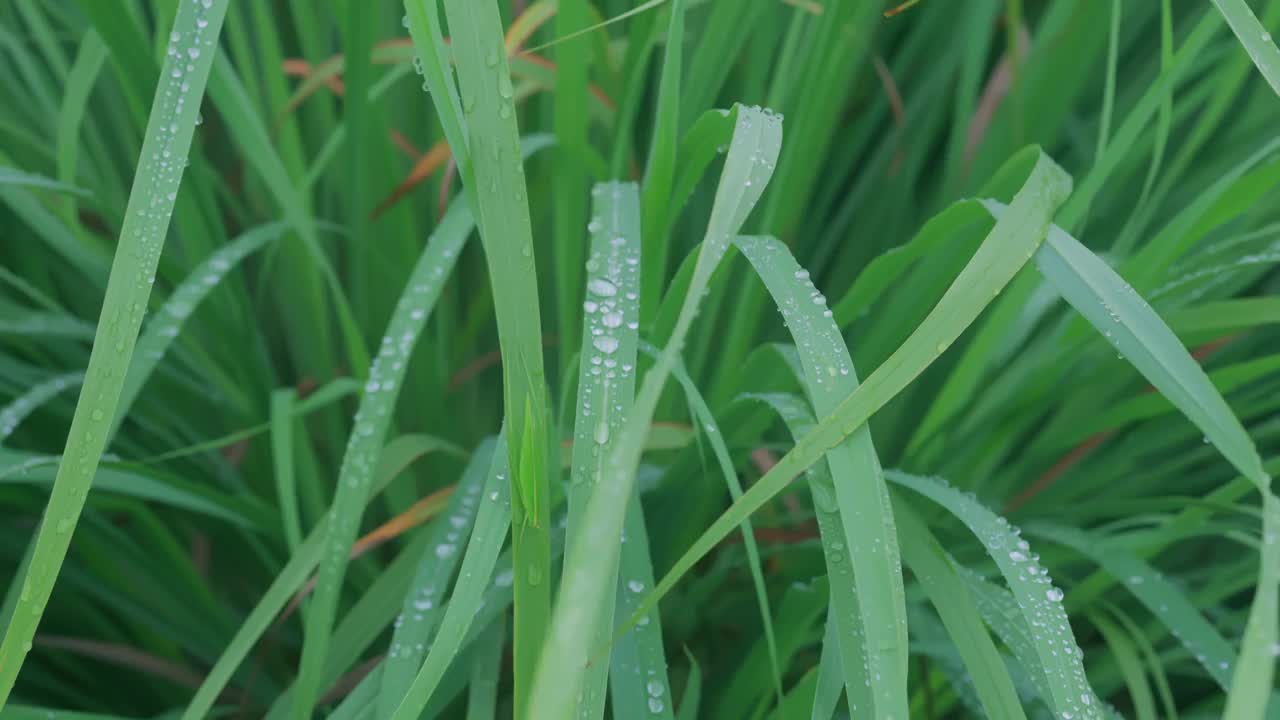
<point x="493" y="520"/>
<point x="747" y="170"/>
<point x="946" y="589"/>
<point x="1039" y="601"/>
<point x="372" y="421"/>
<point x="498" y="192"/>
<point x="844" y="617"/>
<point x="861" y="504"/>
<point x="159" y="173"/>
<point x="606" y="376"/>
<point x="423" y="603"/>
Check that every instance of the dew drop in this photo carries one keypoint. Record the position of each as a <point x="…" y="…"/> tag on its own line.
<point x="602" y="287"/>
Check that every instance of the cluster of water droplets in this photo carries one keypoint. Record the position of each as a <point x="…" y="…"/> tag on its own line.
<point x="381" y="390"/>
<point x="611" y="321"/>
<point x="22" y="406"/>
<point x="423" y="604"/>
<point x="804" y="311"/>
<point x="1039" y="602"/>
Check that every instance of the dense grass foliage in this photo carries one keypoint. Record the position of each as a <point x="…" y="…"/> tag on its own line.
<point x="812" y="359"/>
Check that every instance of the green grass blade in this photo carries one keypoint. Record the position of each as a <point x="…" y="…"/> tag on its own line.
<point x="312" y="349"/>
<point x="372" y="421"/>
<point x="747" y="170"/>
<point x="1038" y="600"/>
<point x="606" y="376"/>
<point x="423" y="604"/>
<point x="502" y="212"/>
<point x="1113" y="307"/>
<point x="862" y="500"/>
<point x="492" y="523"/>
<point x="692" y="697"/>
<point x="20" y="468"/>
<point x="422" y="18"/>
<point x="1252" y="683"/>
<point x="159" y="173"/>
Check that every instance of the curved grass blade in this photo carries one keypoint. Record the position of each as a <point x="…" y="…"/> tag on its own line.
<point x="422" y="604"/>
<point x="159" y="173"/>
<point x="748" y="167"/>
<point x="22" y="406"/>
<point x="606" y="377"/>
<point x="372" y="420"/>
<point x="493" y="520"/>
<point x="1112" y="306"/>
<point x="1002" y="254"/>
<point x="395" y="457"/>
<point x="1039" y="602"/>
<point x="1154" y="664"/>
<point x="47" y="324"/>
<point x="161" y="331"/>
<point x="879" y="275"/>
<point x="861" y="498"/>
